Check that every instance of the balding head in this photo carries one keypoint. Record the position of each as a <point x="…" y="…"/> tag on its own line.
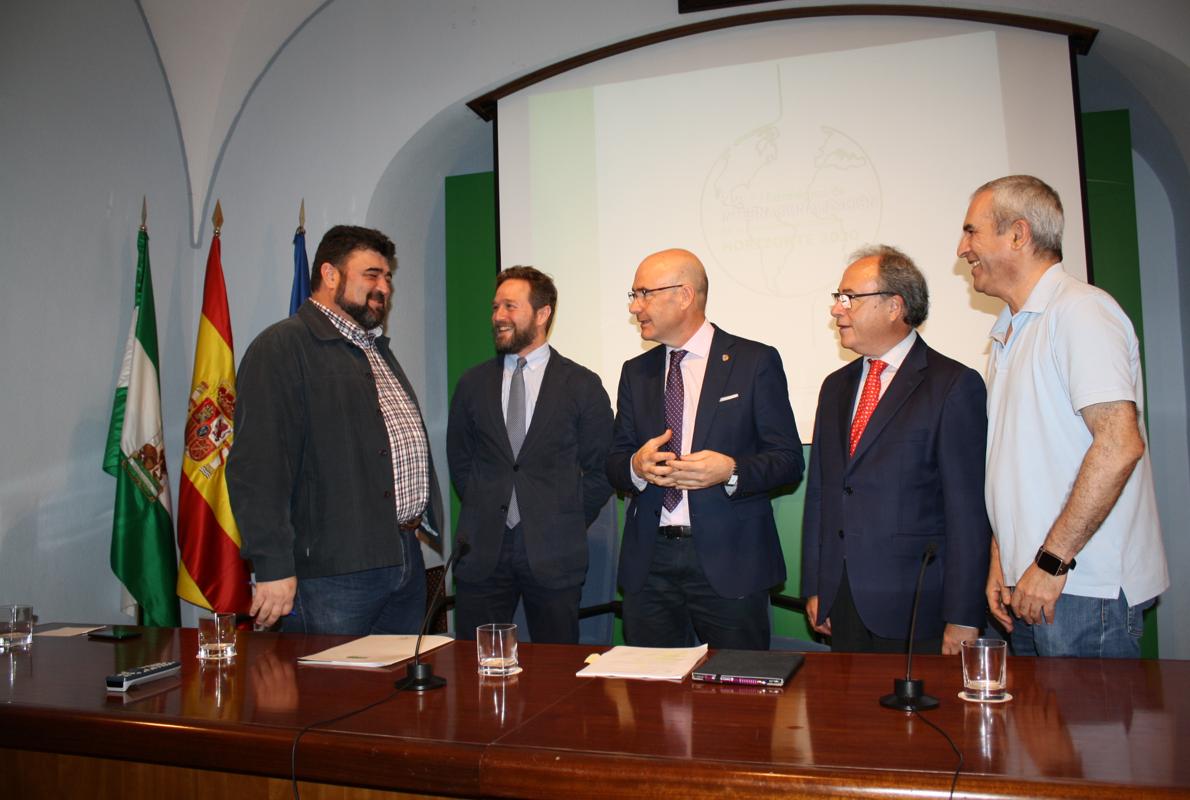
<point x="671" y="296"/>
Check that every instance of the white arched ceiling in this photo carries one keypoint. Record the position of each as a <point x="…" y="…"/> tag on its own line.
<point x="213" y="53"/>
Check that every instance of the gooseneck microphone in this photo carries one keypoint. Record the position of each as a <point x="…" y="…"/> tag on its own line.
<point x="909" y="694"/>
<point x="419" y="676"/>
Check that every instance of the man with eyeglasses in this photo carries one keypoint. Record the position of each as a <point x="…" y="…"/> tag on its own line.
<point x="703" y="432"/>
<point x="896" y="465"/>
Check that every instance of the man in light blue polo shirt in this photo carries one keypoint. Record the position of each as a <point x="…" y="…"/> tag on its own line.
<point x="1077" y="554"/>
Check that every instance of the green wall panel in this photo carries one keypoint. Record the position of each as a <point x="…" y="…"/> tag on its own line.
<point x="471" y="263"/>
<point x="1115" y="254"/>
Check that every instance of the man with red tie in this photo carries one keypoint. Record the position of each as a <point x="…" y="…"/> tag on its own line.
<point x="897" y="464"/>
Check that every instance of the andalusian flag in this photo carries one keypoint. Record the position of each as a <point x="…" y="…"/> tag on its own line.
<point x="211" y="574"/>
<point x="301" y="265"/>
<point x="143" y="555"/>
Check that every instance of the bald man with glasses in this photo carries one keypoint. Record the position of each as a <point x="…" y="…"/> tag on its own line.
<point x="703" y="432"/>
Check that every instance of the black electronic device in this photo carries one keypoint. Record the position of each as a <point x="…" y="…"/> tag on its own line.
<point x="420" y="676"/>
<point x="908" y="693"/>
<point x="115" y="633"/>
<point x="123" y="681"/>
<point x="748" y="667"/>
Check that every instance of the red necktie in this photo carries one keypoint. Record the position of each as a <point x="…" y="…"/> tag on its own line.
<point x="867" y="401"/>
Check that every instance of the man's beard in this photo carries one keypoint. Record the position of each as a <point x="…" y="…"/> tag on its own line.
<point x="362" y="313"/>
<point x="518" y="341"/>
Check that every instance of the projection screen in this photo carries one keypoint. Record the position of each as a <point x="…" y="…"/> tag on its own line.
<point x="774" y="151"/>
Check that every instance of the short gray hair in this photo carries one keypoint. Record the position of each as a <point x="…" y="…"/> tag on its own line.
<point x="900" y="276"/>
<point x="1033" y="200"/>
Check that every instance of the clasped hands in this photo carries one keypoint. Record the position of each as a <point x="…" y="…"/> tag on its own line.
<point x="692" y="471"/>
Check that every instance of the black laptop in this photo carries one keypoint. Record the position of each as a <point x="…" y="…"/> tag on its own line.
<point x="749" y="667"/>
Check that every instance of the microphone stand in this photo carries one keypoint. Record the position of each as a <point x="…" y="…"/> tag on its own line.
<point x="908" y="693"/>
<point x="419" y="676"/>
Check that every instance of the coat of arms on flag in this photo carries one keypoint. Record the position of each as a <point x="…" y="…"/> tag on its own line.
<point x="209" y="425"/>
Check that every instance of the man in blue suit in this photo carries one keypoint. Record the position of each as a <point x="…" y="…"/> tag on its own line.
<point x="703" y="432"/>
<point x="897" y="464"/>
<point x="527" y="440"/>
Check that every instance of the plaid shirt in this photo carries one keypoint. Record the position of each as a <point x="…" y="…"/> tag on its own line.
<point x="406" y="433"/>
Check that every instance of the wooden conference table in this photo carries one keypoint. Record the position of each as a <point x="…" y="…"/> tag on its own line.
<point x="1073" y="729"/>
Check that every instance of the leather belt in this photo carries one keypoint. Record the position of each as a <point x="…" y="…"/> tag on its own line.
<point x="675" y="531"/>
<point x="411" y="525"/>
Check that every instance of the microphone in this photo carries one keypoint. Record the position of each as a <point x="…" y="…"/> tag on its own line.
<point x="909" y="694"/>
<point x="419" y="676"/>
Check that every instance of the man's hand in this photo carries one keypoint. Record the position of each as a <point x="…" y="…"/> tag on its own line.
<point x="649" y="462"/>
<point x="998" y="594"/>
<point x="1036" y="594"/>
<point x="700" y="470"/>
<point x="812" y="616"/>
<point x="954" y="636"/>
<point x="272" y="600"/>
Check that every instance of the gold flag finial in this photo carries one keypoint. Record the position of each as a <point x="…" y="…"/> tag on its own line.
<point x="217" y="217"/>
<point x="302" y="217"/>
<point x="144" y="212"/>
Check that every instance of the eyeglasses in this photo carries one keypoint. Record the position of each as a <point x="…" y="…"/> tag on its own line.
<point x="844" y="298"/>
<point x="643" y="294"/>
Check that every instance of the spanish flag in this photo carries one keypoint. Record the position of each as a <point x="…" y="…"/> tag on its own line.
<point x="211" y="573"/>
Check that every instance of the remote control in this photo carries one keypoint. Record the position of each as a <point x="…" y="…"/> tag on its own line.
<point x="123" y="681"/>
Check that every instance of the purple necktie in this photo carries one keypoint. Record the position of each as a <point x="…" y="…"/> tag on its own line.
<point x="675" y="397"/>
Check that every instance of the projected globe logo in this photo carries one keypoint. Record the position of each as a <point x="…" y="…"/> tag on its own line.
<point x="782" y="207"/>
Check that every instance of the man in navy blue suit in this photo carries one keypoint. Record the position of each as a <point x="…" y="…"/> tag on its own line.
<point x="703" y="432"/>
<point x="897" y="464"/>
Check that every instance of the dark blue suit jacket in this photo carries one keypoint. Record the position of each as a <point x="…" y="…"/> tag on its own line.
<point x="560" y="482"/>
<point x="743" y="412"/>
<point x="916" y="477"/>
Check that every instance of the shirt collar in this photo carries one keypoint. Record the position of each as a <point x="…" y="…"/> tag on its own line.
<point x="533" y="360"/>
<point x="1035" y="303"/>
<point x="896" y="355"/>
<point x="350" y="329"/>
<point x="700" y="343"/>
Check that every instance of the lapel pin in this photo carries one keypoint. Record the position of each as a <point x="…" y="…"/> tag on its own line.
<point x="726" y="357"/>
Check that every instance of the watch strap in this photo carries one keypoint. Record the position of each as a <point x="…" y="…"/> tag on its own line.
<point x="1048" y="562"/>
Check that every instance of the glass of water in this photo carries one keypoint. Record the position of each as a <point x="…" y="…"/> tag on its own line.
<point x="985" y="669"/>
<point x="16" y="627"/>
<point x="216" y="635"/>
<point x="495" y="643"/>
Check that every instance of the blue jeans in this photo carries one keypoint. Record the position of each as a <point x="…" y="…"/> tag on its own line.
<point x="1087" y="627"/>
<point x="381" y="600"/>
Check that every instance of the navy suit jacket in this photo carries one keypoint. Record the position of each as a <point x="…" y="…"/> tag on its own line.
<point x="560" y="482"/>
<point x="743" y="412"/>
<point x="916" y="478"/>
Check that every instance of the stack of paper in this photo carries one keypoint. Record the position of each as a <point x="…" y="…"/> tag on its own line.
<point x="374" y="651"/>
<point x="645" y="663"/>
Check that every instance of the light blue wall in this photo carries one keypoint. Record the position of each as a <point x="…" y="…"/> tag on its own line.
<point x="86" y="128"/>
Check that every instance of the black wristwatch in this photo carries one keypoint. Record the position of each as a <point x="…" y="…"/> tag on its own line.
<point x="1048" y="562"/>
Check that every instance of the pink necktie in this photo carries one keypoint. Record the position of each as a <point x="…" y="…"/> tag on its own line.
<point x="867" y="402"/>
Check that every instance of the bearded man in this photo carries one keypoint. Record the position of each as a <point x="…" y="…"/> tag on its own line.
<point x="330" y="477"/>
<point x="527" y="439"/>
